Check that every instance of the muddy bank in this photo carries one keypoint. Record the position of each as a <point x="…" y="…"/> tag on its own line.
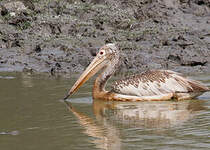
<point x="63" y="36"/>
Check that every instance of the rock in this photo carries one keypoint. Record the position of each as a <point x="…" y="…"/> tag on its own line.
<point x="175" y="58"/>
<point x="14" y="6"/>
<point x="171" y="3"/>
<point x="38" y="49"/>
<point x="29" y="4"/>
<point x="1" y="21"/>
<point x="3" y="11"/>
<point x="93" y="51"/>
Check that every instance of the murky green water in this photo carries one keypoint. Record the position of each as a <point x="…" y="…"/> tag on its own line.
<point x="33" y="117"/>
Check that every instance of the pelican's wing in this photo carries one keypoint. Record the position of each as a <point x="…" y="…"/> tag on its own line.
<point x="157" y="82"/>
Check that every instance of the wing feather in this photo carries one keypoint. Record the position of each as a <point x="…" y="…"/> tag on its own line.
<point x="157" y="82"/>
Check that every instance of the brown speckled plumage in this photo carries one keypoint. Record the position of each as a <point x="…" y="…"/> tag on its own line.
<point x="156" y="82"/>
<point x="148" y="76"/>
<point x="144" y="77"/>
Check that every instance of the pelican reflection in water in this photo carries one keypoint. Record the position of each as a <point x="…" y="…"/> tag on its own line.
<point x="111" y="116"/>
<point x="148" y="86"/>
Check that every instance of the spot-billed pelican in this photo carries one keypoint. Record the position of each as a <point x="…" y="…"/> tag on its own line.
<point x="147" y="86"/>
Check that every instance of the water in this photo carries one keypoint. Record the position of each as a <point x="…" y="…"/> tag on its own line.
<point x="34" y="117"/>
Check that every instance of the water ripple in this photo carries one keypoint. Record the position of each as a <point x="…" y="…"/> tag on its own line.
<point x="7" y="77"/>
<point x="10" y="133"/>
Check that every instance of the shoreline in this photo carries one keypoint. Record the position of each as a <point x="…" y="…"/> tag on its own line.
<point x="63" y="36"/>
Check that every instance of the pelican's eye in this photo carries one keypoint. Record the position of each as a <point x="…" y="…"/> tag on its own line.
<point x="101" y="53"/>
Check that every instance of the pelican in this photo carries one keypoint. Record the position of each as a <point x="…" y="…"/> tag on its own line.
<point x="154" y="85"/>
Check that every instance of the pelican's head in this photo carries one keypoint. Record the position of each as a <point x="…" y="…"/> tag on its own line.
<point x="104" y="57"/>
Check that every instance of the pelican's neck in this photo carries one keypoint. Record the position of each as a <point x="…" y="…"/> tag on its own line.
<point x="101" y="80"/>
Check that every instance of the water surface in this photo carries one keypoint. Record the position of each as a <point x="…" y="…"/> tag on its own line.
<point x="33" y="116"/>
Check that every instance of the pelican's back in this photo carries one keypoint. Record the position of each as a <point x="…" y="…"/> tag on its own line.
<point x="158" y="82"/>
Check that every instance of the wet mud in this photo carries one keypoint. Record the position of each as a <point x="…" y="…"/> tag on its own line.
<point x="63" y="36"/>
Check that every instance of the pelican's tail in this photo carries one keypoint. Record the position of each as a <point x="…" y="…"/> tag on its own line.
<point x="198" y="86"/>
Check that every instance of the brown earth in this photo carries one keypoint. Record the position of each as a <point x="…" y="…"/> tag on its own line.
<point x="62" y="36"/>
